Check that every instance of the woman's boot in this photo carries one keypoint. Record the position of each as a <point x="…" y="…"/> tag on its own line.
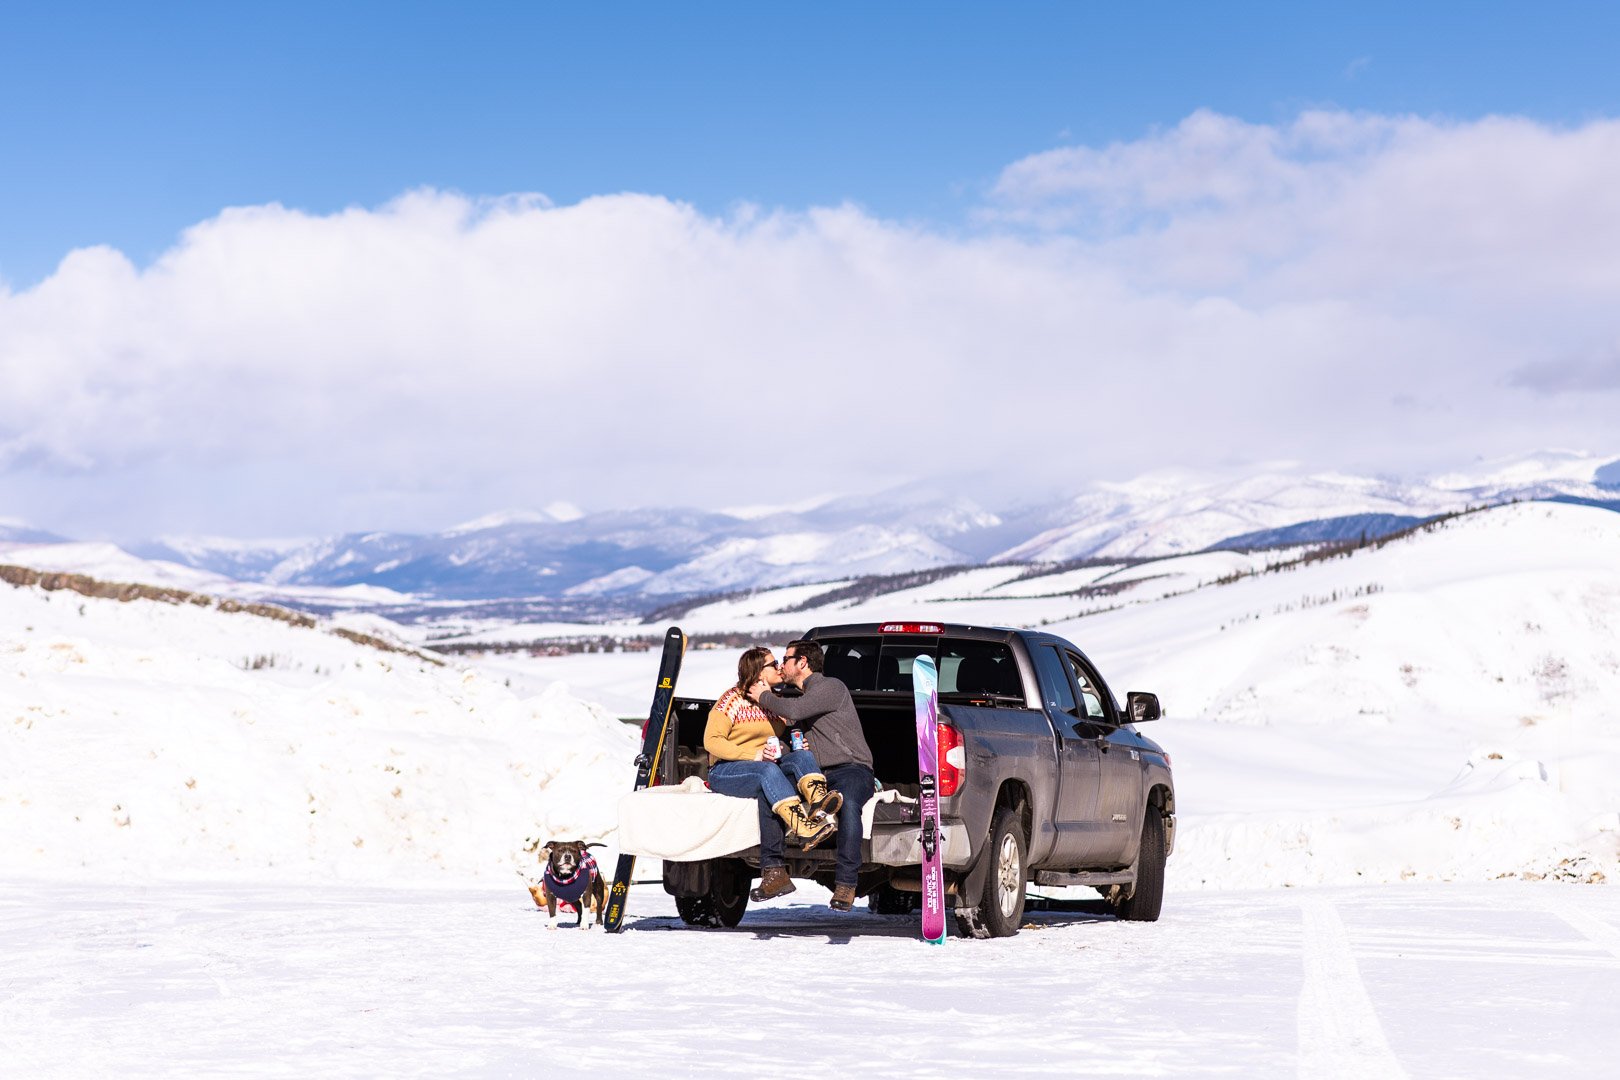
<point x="804" y="828"/>
<point x="818" y="795"/>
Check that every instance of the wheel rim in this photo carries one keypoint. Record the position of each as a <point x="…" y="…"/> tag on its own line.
<point x="1009" y="876"/>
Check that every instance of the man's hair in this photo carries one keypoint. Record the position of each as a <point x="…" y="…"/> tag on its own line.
<point x="810" y="651"/>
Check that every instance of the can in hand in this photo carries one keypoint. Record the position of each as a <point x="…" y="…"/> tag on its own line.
<point x="796" y="739"/>
<point x="773" y="748"/>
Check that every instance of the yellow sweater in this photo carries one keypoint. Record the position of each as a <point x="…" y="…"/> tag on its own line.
<point x="738" y="728"/>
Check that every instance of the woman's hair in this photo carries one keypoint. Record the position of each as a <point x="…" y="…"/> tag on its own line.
<point x="749" y="665"/>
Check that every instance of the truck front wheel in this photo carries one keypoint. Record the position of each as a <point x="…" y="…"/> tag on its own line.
<point x="1001" y="908"/>
<point x="1148" y="895"/>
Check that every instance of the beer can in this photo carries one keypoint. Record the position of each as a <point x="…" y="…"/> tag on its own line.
<point x="773" y="748"/>
<point x="796" y="739"/>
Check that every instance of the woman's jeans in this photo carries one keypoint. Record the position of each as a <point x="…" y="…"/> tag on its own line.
<point x="769" y="782"/>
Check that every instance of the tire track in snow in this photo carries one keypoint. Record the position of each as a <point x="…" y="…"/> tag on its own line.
<point x="1588" y="926"/>
<point x="1339" y="1033"/>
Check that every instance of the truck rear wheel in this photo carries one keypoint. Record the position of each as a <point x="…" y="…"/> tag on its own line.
<point x="1001" y="908"/>
<point x="888" y="900"/>
<point x="726" y="900"/>
<point x="1148" y="896"/>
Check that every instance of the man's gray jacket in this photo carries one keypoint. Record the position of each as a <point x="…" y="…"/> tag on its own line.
<point x="827" y="714"/>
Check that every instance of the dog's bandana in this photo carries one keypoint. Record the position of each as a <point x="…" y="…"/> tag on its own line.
<point x="570" y="891"/>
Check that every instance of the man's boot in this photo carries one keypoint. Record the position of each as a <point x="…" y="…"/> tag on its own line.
<point x="773" y="882"/>
<point x="843" y="898"/>
<point x="804" y="828"/>
<point x="819" y="796"/>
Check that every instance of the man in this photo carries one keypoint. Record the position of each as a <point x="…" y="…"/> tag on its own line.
<point x="826" y="714"/>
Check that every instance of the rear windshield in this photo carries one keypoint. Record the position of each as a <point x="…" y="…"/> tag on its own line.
<point x="984" y="668"/>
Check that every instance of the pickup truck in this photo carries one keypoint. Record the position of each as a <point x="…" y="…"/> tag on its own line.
<point x="1044" y="779"/>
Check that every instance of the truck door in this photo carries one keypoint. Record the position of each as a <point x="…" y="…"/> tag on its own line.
<point x="1075" y="817"/>
<point x="1119" y="799"/>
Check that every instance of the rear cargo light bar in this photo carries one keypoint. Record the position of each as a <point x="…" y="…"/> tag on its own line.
<point x="910" y="628"/>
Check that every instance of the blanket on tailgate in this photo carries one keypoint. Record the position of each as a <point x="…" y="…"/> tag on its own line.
<point x="688" y="822"/>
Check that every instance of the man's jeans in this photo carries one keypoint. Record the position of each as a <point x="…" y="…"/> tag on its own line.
<point x="856" y="784"/>
<point x="768" y="783"/>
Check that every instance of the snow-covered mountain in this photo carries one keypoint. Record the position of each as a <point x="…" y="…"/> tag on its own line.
<point x="656" y="552"/>
<point x="619" y="555"/>
<point x="13" y="531"/>
<point x="1170" y="513"/>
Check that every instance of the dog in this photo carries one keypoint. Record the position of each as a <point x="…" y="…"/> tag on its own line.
<point x="571" y="881"/>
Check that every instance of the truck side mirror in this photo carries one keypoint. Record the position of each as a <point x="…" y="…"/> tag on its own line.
<point x="1142" y="706"/>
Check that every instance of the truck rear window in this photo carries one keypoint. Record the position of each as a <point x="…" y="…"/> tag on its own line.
<point x="965" y="667"/>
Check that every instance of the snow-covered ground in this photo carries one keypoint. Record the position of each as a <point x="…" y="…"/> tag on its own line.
<point x="155" y="741"/>
<point x="114" y="979"/>
<point x="231" y="844"/>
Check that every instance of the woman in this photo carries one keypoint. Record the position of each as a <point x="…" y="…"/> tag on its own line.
<point x="789" y="786"/>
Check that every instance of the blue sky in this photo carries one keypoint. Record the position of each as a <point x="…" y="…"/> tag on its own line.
<point x="304" y="268"/>
<point x="123" y="124"/>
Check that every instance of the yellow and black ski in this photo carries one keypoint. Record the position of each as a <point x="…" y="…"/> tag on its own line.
<point x="652" y="748"/>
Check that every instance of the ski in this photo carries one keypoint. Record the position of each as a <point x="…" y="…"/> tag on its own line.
<point x="925" y="692"/>
<point x="652" y="748"/>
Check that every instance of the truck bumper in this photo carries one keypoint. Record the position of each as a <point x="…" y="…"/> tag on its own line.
<point x="901" y="845"/>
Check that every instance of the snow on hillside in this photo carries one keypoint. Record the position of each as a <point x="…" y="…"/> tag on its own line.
<point x="1167" y="516"/>
<point x="555" y="513"/>
<point x="151" y="740"/>
<point x="108" y="562"/>
<point x="630" y="577"/>
<point x="1543" y="467"/>
<point x="789" y="558"/>
<point x="1447" y="706"/>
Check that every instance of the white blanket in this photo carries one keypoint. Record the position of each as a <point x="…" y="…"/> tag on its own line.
<point x="688" y="822"/>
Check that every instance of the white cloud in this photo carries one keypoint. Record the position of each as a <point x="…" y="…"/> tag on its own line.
<point x="1346" y="290"/>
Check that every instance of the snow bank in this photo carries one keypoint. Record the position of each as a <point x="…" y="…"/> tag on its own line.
<point x="155" y="741"/>
<point x="1443" y="708"/>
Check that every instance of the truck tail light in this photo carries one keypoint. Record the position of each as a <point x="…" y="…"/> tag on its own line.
<point x="952" y="759"/>
<point x="910" y="628"/>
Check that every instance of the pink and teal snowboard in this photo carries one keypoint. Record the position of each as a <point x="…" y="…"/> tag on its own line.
<point x="925" y="691"/>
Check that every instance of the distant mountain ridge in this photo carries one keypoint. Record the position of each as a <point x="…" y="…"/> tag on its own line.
<point x="561" y="554"/>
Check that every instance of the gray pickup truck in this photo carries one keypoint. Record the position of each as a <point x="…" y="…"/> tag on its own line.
<point x="1043" y="779"/>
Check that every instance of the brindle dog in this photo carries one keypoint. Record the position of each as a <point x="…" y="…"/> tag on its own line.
<point x="570" y="879"/>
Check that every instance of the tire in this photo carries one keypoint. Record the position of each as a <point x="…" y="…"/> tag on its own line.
<point x="1148" y="896"/>
<point x="695" y="910"/>
<point x="887" y="900"/>
<point x="729" y="892"/>
<point x="1001" y="908"/>
<point x="723" y="905"/>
